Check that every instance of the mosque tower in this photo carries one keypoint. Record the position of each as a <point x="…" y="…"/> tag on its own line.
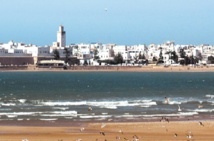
<point x="61" y="36"/>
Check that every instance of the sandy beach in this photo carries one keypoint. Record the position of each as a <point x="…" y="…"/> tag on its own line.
<point x="150" y="68"/>
<point x="132" y="69"/>
<point x="132" y="131"/>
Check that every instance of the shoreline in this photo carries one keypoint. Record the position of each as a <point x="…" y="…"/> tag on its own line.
<point x="149" y="131"/>
<point x="114" y="69"/>
<point x="145" y="129"/>
<point x="67" y="123"/>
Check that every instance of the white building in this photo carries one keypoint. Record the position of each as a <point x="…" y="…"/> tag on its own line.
<point x="61" y="38"/>
<point x="83" y="53"/>
<point x="121" y="49"/>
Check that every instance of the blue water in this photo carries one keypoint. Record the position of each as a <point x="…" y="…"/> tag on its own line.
<point x="111" y="95"/>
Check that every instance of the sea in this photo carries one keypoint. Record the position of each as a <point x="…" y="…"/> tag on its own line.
<point x="105" y="96"/>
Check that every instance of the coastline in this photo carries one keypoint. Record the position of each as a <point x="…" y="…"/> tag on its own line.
<point x="114" y="69"/>
<point x="148" y="131"/>
<point x="145" y="129"/>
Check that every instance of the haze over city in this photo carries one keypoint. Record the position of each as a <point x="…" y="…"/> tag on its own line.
<point x="125" y="22"/>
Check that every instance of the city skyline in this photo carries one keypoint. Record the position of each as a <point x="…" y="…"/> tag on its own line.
<point x="120" y="22"/>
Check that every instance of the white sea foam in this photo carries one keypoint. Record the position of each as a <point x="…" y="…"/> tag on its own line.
<point x="68" y="117"/>
<point x="188" y="113"/>
<point x="203" y="110"/>
<point x="103" y="104"/>
<point x="174" y="102"/>
<point x="116" y="104"/>
<point x="171" y="115"/>
<point x="108" y="107"/>
<point x="142" y="101"/>
<point x="50" y="119"/>
<point x="22" y="100"/>
<point x="210" y="96"/>
<point x="20" y="113"/>
<point x="60" y="114"/>
<point x="64" y="103"/>
<point x="47" y="114"/>
<point x="12" y="116"/>
<point x="107" y="103"/>
<point x="8" y="104"/>
<point x="95" y="116"/>
<point x="128" y="116"/>
<point x="148" y="104"/>
<point x="65" y="112"/>
<point x="61" y="108"/>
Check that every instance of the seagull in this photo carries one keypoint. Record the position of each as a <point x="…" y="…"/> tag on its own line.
<point x="162" y="119"/>
<point x="102" y="133"/>
<point x="135" y="138"/>
<point x="89" y="109"/>
<point x="82" y="129"/>
<point x="166" y="119"/>
<point x="189" y="135"/>
<point x="200" y="106"/>
<point x="200" y="123"/>
<point x="120" y="131"/>
<point x="179" y="108"/>
<point x="166" y="100"/>
<point x="103" y="125"/>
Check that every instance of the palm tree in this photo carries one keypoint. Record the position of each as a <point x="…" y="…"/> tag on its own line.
<point x="56" y="54"/>
<point x="67" y="55"/>
<point x="118" y="59"/>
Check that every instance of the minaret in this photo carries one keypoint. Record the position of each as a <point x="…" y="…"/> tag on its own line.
<point x="61" y="36"/>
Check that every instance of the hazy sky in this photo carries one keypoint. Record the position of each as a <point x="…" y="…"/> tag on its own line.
<point x="108" y="21"/>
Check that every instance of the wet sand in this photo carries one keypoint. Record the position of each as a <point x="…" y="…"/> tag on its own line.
<point x="143" y="131"/>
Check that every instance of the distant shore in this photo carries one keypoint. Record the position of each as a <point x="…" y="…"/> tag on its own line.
<point x="116" y="68"/>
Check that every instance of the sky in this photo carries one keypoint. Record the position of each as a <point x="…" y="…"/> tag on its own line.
<point x="124" y="22"/>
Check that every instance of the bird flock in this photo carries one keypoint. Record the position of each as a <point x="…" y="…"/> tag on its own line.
<point x="121" y="136"/>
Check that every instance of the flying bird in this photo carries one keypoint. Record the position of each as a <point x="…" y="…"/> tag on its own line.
<point x="200" y="123"/>
<point x="179" y="108"/>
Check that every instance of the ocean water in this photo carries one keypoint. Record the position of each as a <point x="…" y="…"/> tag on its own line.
<point x="114" y="96"/>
